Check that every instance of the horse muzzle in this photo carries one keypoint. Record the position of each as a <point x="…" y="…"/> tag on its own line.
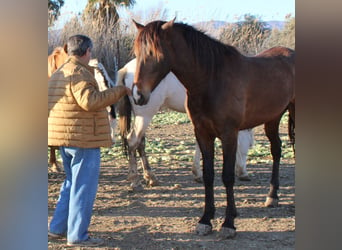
<point x="138" y="97"/>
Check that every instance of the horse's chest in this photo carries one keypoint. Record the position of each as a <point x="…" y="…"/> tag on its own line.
<point x="203" y="118"/>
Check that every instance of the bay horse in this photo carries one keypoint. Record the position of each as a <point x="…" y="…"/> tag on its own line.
<point x="226" y="92"/>
<point x="170" y="94"/>
<point x="55" y="60"/>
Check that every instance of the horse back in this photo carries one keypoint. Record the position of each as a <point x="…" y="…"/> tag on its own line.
<point x="270" y="85"/>
<point x="252" y="91"/>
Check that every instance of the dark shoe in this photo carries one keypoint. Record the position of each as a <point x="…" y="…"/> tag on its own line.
<point x="90" y="242"/>
<point x="56" y="236"/>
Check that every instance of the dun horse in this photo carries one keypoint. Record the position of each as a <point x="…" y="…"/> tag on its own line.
<point x="226" y="91"/>
<point x="171" y="94"/>
<point x="55" y="60"/>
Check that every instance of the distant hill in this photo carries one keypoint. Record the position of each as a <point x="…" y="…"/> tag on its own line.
<point x="213" y="28"/>
<point x="276" y="24"/>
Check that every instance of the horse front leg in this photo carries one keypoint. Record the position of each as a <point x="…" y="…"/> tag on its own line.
<point x="133" y="175"/>
<point x="272" y="133"/>
<point x="229" y="146"/>
<point x="196" y="166"/>
<point x="206" y="144"/>
<point x="149" y="176"/>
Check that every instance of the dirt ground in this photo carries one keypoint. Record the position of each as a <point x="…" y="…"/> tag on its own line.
<point x="164" y="217"/>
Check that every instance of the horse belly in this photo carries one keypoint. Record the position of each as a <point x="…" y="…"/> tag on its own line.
<point x="267" y="99"/>
<point x="257" y="116"/>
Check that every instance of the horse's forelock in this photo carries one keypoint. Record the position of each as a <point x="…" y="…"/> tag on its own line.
<point x="148" y="41"/>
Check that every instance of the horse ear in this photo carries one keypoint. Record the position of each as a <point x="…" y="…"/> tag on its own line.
<point x="169" y="24"/>
<point x="138" y="25"/>
<point x="65" y="48"/>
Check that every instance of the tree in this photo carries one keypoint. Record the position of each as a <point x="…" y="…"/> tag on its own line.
<point x="285" y="36"/>
<point x="248" y="35"/>
<point x="54" y="7"/>
<point x="105" y="11"/>
<point x="104" y="17"/>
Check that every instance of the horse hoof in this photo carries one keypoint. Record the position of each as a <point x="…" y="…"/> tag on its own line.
<point x="244" y="178"/>
<point x="271" y="202"/>
<point x="151" y="180"/>
<point x="226" y="233"/>
<point x="55" y="167"/>
<point x="138" y="188"/>
<point x="152" y="183"/>
<point x="203" y="229"/>
<point x="198" y="179"/>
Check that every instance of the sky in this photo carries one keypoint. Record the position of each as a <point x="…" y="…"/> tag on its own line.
<point x="193" y="11"/>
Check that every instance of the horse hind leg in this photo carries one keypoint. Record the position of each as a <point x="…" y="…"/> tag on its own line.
<point x="272" y="133"/>
<point x="112" y="123"/>
<point x="291" y="125"/>
<point x="55" y="166"/>
<point x="245" y="142"/>
<point x="196" y="166"/>
<point x="149" y="176"/>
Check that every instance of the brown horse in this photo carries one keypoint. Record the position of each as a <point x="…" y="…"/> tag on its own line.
<point x="227" y="92"/>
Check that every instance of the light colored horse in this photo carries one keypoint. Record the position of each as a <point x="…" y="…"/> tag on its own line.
<point x="55" y="60"/>
<point x="171" y="94"/>
<point x="104" y="82"/>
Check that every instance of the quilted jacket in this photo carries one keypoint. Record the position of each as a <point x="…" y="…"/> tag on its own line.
<point x="77" y="116"/>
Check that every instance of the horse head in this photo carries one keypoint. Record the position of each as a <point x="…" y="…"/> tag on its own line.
<point x="56" y="59"/>
<point x="152" y="58"/>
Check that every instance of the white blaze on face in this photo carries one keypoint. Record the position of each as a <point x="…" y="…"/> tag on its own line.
<point x="135" y="94"/>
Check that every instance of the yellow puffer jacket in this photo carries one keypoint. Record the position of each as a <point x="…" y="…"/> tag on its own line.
<point x="77" y="115"/>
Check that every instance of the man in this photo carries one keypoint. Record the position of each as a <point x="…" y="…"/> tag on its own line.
<point x="78" y="124"/>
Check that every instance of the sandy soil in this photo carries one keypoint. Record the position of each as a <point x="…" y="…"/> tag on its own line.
<point x="164" y="217"/>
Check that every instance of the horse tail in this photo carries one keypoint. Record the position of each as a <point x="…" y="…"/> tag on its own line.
<point x="291" y="124"/>
<point x="124" y="109"/>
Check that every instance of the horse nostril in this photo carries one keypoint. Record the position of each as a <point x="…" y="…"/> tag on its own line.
<point x="138" y="97"/>
<point x="141" y="100"/>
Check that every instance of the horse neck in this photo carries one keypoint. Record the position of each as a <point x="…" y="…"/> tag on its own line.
<point x="187" y="76"/>
<point x="185" y="67"/>
<point x="102" y="79"/>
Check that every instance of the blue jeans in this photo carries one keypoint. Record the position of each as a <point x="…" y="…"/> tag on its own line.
<point x="77" y="195"/>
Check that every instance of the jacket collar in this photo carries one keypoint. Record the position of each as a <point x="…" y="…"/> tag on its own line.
<point x="75" y="60"/>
